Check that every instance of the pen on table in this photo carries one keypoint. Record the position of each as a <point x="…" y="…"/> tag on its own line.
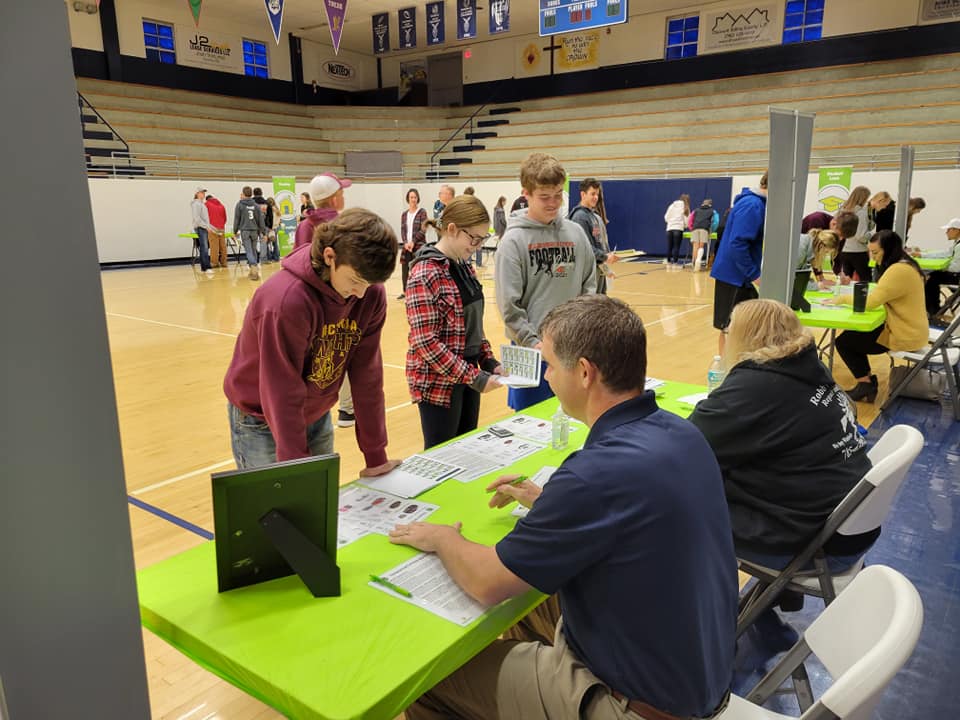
<point x="390" y="586"/>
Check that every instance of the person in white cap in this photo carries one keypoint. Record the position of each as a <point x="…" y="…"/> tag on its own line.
<point x="951" y="275"/>
<point x="326" y="190"/>
<point x="200" y="220"/>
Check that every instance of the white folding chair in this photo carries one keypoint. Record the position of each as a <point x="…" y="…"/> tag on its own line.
<point x="941" y="356"/>
<point x="862" y="639"/>
<point x="862" y="510"/>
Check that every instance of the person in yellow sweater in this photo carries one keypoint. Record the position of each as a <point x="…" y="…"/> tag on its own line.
<point x="900" y="291"/>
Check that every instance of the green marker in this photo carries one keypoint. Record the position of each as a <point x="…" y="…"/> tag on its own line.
<point x="390" y="586"/>
<point x="519" y="480"/>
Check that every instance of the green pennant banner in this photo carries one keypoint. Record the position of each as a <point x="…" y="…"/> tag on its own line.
<point x="195" y="9"/>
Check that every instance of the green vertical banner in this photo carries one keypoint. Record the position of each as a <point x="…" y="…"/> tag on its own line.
<point x="834" y="188"/>
<point x="285" y="194"/>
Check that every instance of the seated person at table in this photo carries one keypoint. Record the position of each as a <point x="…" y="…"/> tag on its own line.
<point x="641" y="503"/>
<point x="814" y="249"/>
<point x="900" y="291"/>
<point x="786" y="439"/>
<point x="951" y="275"/>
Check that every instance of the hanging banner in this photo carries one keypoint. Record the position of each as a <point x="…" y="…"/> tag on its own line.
<point x="208" y="50"/>
<point x="932" y="11"/>
<point x="285" y="195"/>
<point x="407" y="24"/>
<point x="381" y="33"/>
<point x="275" y="16"/>
<point x="195" y="9"/>
<point x="499" y="16"/>
<point x="435" y="28"/>
<point x="466" y="19"/>
<point x="578" y="51"/>
<point x="336" y="10"/>
<point x="750" y="26"/>
<point x="834" y="188"/>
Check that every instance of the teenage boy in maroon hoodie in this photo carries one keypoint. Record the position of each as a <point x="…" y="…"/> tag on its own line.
<point x="311" y="325"/>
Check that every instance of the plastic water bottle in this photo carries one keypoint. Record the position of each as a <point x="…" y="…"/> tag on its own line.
<point x="715" y="374"/>
<point x="561" y="430"/>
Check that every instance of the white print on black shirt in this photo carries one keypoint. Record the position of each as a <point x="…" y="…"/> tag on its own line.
<point x="850" y="440"/>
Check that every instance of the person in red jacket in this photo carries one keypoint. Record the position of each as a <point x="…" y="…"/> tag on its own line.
<point x="218" y="242"/>
<point x="313" y="323"/>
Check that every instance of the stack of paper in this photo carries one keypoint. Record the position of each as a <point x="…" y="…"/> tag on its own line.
<point x="415" y="475"/>
<point x="521" y="366"/>
<point x="364" y="511"/>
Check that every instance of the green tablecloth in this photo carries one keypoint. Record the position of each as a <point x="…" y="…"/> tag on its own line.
<point x="930" y="264"/>
<point x="362" y="655"/>
<point x="840" y="317"/>
<point x="688" y="234"/>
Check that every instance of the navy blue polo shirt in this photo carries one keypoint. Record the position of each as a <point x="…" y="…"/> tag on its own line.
<point x="634" y="534"/>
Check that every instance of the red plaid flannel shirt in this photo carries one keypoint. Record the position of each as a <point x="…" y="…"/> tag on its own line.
<point x="437" y="335"/>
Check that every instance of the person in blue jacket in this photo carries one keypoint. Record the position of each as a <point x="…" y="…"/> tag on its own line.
<point x="737" y="264"/>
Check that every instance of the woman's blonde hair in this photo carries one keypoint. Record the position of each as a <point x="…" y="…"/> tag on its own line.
<point x="882" y="195"/>
<point x="857" y="199"/>
<point x="762" y="331"/>
<point x="823" y="242"/>
<point x="463" y="211"/>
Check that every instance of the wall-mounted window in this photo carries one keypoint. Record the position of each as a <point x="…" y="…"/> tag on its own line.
<point x="158" y="41"/>
<point x="682" y="35"/>
<point x="255" y="59"/>
<point x="803" y="20"/>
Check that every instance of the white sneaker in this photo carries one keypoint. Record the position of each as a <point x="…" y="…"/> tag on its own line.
<point x="254" y="272"/>
<point x="209" y="272"/>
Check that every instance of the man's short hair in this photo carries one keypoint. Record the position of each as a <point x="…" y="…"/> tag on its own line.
<point x="361" y="239"/>
<point x="257" y="191"/>
<point x="541" y="170"/>
<point x="587" y="183"/>
<point x="246" y="192"/>
<point x="847" y="223"/>
<point x="606" y="332"/>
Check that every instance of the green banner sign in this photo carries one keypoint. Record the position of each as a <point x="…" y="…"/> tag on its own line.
<point x="285" y="194"/>
<point x="834" y="188"/>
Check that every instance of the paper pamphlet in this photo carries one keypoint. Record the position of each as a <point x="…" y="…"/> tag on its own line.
<point x="653" y="383"/>
<point x="693" y="399"/>
<point x="364" y="511"/>
<point x="532" y="428"/>
<point x="430" y="587"/>
<point x="483" y="453"/>
<point x="522" y="365"/>
<point x="415" y="475"/>
<point x="540" y="479"/>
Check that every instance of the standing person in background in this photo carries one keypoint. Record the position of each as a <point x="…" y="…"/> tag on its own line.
<point x="818" y="220"/>
<point x="449" y="360"/>
<point x="444" y="196"/>
<point x="702" y="222"/>
<point x="521" y="203"/>
<point x="218" y="224"/>
<point x="305" y="205"/>
<point x="413" y="235"/>
<point x="248" y="225"/>
<point x="587" y="216"/>
<point x="814" y="249"/>
<point x="326" y="190"/>
<point x="478" y="255"/>
<point x="543" y="260"/>
<point x="853" y="259"/>
<point x="737" y="265"/>
<point x="676" y="219"/>
<point x="883" y="210"/>
<point x="261" y="202"/>
<point x="273" y="222"/>
<point x="200" y="221"/>
<point x="914" y="206"/>
<point x="500" y="217"/>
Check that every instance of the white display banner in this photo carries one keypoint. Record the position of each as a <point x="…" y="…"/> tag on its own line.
<point x="742" y="27"/>
<point x="208" y="50"/>
<point x="933" y="11"/>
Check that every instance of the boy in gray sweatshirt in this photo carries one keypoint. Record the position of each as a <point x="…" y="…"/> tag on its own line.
<point x="248" y="222"/>
<point x="542" y="261"/>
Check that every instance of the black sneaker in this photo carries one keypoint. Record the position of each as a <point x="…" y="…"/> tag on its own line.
<point x="401" y="296"/>
<point x="345" y="419"/>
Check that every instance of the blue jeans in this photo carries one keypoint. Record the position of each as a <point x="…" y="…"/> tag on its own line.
<point x="253" y="444"/>
<point x="836" y="563"/>
<point x="479" y="257"/>
<point x="250" y="238"/>
<point x="203" y="242"/>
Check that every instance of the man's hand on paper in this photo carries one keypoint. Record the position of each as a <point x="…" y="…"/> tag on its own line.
<point x="507" y="490"/>
<point x="380" y="469"/>
<point x="426" y="537"/>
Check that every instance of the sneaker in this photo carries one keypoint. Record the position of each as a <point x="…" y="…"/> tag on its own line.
<point x="208" y="272"/>
<point x="401" y="296"/>
<point x="345" y="419"/>
<point x="254" y="272"/>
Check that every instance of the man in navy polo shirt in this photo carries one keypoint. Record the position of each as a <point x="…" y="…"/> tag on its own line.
<point x="632" y="532"/>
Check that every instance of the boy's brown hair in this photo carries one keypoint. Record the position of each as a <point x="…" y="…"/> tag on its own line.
<point x="361" y="239"/>
<point x="541" y="170"/>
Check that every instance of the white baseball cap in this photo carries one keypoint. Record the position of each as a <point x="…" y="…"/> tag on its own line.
<point x="200" y="188"/>
<point x="325" y="185"/>
<point x="953" y="224"/>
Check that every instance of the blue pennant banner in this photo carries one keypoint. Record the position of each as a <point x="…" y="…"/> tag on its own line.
<point x="435" y="26"/>
<point x="466" y="19"/>
<point x="499" y="16"/>
<point x="381" y="33"/>
<point x="407" y="24"/>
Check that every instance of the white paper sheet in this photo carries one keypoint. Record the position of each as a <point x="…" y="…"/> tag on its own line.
<point x="653" y="383"/>
<point x="364" y="511"/>
<point x="415" y="475"/>
<point x="532" y="428"/>
<point x="484" y="453"/>
<point x="540" y="479"/>
<point x="693" y="399"/>
<point x="432" y="589"/>
<point x="522" y="365"/>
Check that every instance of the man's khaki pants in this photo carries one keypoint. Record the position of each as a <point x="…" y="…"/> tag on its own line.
<point x="218" y="248"/>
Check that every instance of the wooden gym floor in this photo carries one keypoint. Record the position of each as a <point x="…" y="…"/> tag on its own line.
<point x="172" y="332"/>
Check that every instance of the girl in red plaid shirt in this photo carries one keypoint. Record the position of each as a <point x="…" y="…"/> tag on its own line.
<point x="449" y="361"/>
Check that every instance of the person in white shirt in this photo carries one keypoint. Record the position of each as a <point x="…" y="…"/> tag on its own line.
<point x="676" y="220"/>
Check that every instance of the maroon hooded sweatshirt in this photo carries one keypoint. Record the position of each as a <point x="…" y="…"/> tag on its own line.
<point x="299" y="336"/>
<point x="304" y="234"/>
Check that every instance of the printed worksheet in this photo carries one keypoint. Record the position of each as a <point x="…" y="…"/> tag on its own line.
<point x="693" y="399"/>
<point x="522" y="365"/>
<point x="429" y="586"/>
<point x="540" y="479"/>
<point x="415" y="475"/>
<point x="539" y="430"/>
<point x="364" y="511"/>
<point x="484" y="453"/>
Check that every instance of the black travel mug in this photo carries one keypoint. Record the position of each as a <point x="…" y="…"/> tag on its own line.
<point x="860" y="296"/>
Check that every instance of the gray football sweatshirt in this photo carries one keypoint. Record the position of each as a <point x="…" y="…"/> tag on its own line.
<point x="539" y="267"/>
